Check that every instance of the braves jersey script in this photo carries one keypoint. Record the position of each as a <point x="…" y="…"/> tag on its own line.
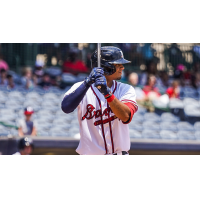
<point x="101" y="132"/>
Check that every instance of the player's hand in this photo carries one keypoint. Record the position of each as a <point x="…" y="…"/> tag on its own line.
<point x="95" y="73"/>
<point x="101" y="81"/>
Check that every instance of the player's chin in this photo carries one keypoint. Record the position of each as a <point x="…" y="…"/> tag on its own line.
<point x="118" y="78"/>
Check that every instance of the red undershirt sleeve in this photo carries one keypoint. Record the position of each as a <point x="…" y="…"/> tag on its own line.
<point x="133" y="110"/>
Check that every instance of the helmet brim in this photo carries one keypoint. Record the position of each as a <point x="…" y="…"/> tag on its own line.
<point x="120" y="61"/>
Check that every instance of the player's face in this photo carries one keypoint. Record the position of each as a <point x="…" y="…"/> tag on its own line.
<point x="28" y="150"/>
<point x="118" y="74"/>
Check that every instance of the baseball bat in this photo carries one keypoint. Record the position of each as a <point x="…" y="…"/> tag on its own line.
<point x="99" y="58"/>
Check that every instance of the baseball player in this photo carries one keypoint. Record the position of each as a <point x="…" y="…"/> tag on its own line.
<point x="25" y="146"/>
<point x="105" y="107"/>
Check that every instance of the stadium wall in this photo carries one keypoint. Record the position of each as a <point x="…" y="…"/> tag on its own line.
<point x="67" y="146"/>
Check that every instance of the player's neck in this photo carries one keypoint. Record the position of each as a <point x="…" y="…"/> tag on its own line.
<point x="109" y="83"/>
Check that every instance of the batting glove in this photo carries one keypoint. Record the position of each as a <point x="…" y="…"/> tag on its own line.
<point x="101" y="85"/>
<point x="95" y="73"/>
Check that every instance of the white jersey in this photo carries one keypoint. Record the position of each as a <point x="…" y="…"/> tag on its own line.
<point x="101" y="132"/>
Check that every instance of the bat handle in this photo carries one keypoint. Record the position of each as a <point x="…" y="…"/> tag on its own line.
<point x="99" y="87"/>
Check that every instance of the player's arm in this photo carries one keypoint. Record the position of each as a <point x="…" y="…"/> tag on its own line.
<point x="123" y="110"/>
<point x="34" y="132"/>
<point x="20" y="132"/>
<point x="72" y="100"/>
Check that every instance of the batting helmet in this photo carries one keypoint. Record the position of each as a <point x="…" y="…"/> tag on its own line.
<point x="109" y="56"/>
<point x="25" y="142"/>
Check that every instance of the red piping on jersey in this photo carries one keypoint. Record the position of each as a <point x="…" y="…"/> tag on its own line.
<point x="113" y="149"/>
<point x="134" y="103"/>
<point x="101" y="119"/>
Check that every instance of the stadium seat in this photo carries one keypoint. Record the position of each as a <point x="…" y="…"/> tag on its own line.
<point x="186" y="135"/>
<point x="42" y="133"/>
<point x="136" y="126"/>
<point x="167" y="134"/>
<point x="151" y="125"/>
<point x="53" y="71"/>
<point x="197" y="135"/>
<point x="197" y="126"/>
<point x="170" y="126"/>
<point x="185" y="126"/>
<point x="141" y="110"/>
<point x="14" y="132"/>
<point x="69" y="78"/>
<point x="81" y="76"/>
<point x="176" y="107"/>
<point x="169" y="117"/>
<point x="190" y="101"/>
<point x="152" y="117"/>
<point x="135" y="134"/>
<point x="12" y="104"/>
<point x="192" y="113"/>
<point x="137" y="117"/>
<point x="151" y="134"/>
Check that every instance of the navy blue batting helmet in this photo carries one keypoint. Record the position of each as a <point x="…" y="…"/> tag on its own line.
<point x="109" y="56"/>
<point x="25" y="142"/>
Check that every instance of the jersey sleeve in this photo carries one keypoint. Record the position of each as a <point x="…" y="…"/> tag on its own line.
<point x="129" y="96"/>
<point x="73" y="88"/>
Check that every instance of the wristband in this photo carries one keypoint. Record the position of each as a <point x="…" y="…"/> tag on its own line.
<point x="108" y="95"/>
<point x="111" y="98"/>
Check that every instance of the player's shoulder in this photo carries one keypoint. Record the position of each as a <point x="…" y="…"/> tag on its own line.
<point x="124" y="86"/>
<point x="74" y="87"/>
<point x="77" y="84"/>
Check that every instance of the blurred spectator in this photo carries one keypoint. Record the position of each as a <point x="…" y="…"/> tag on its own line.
<point x="88" y="61"/>
<point x="175" y="55"/>
<point x="11" y="84"/>
<point x="38" y="71"/>
<point x="3" y="63"/>
<point x="3" y="78"/>
<point x="46" y="81"/>
<point x="73" y="65"/>
<point x="151" y="68"/>
<point x="150" y="90"/>
<point x="25" y="146"/>
<point x="133" y="80"/>
<point x="195" y="75"/>
<point x="163" y="80"/>
<point x="174" y="91"/>
<point x="179" y="74"/>
<point x="27" y="80"/>
<point x="27" y="126"/>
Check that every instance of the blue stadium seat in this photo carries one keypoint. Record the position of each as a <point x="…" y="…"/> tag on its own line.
<point x="192" y="112"/>
<point x="136" y="126"/>
<point x="135" y="134"/>
<point x="141" y="110"/>
<point x="169" y="117"/>
<point x="186" y="135"/>
<point x="197" y="126"/>
<point x="151" y="134"/>
<point x="168" y="126"/>
<point x="167" y="134"/>
<point x="152" y="117"/>
<point x="151" y="125"/>
<point x="197" y="135"/>
<point x="185" y="126"/>
<point x="137" y="118"/>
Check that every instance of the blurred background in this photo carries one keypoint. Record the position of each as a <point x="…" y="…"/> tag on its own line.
<point x="166" y="78"/>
